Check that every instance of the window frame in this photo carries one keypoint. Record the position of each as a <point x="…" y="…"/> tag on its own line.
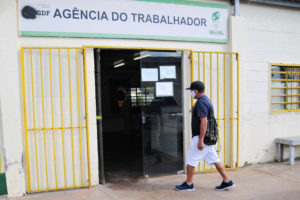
<point x="287" y="103"/>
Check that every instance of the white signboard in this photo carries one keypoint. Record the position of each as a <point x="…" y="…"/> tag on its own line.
<point x="149" y="74"/>
<point x="167" y="72"/>
<point x="164" y="89"/>
<point x="139" y="19"/>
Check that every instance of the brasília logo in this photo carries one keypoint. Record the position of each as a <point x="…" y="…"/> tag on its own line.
<point x="216" y="16"/>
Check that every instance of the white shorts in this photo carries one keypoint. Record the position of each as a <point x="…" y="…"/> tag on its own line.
<point x="194" y="155"/>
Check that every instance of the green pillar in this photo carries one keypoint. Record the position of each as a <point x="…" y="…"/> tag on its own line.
<point x="3" y="188"/>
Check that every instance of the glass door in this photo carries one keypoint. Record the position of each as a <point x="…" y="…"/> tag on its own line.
<point x="160" y="98"/>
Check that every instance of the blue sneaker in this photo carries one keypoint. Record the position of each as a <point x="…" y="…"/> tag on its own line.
<point x="225" y="185"/>
<point x="184" y="187"/>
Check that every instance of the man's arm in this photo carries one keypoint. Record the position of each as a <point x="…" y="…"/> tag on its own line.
<point x="203" y="127"/>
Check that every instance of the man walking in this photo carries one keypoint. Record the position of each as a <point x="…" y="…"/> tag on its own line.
<point x="198" y="150"/>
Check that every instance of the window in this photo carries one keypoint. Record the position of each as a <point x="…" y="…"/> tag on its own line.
<point x="285" y="89"/>
<point x="141" y="96"/>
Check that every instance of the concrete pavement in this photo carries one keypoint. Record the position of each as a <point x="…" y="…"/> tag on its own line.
<point x="270" y="181"/>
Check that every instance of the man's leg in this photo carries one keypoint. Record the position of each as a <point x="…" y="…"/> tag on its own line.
<point x="192" y="160"/>
<point x="190" y="173"/>
<point x="222" y="171"/>
<point x="188" y="184"/>
<point x="227" y="183"/>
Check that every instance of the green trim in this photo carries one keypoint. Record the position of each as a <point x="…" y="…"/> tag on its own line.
<point x="119" y="36"/>
<point x="185" y="2"/>
<point x="3" y="187"/>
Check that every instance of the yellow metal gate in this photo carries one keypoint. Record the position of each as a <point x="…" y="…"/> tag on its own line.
<point x="55" y="118"/>
<point x="220" y="73"/>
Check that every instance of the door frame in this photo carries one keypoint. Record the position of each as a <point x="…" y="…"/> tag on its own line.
<point x="98" y="98"/>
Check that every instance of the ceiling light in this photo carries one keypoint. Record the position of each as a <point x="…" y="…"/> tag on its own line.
<point x="141" y="57"/>
<point x="119" y="65"/>
<point x="118" y="62"/>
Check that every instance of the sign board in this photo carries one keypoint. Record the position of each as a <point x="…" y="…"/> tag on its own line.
<point x="136" y="19"/>
<point x="164" y="89"/>
<point x="149" y="74"/>
<point x="167" y="72"/>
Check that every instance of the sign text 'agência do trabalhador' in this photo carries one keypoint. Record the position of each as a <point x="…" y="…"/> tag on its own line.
<point x="136" y="19"/>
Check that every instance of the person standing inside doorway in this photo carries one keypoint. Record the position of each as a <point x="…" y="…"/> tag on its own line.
<point x="198" y="150"/>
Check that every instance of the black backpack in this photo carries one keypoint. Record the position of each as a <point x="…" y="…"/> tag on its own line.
<point x="212" y="131"/>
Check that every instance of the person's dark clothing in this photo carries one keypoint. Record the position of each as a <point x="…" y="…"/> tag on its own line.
<point x="202" y="108"/>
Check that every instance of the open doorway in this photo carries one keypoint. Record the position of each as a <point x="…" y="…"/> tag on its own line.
<point x="139" y="101"/>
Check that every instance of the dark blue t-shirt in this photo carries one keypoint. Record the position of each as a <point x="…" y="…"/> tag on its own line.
<point x="202" y="108"/>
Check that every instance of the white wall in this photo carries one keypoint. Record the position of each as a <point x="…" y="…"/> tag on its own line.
<point x="11" y="99"/>
<point x="264" y="35"/>
<point x="2" y="155"/>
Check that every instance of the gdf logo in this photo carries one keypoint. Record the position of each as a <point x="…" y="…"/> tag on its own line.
<point x="29" y="12"/>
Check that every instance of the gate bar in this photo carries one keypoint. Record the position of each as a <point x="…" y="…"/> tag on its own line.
<point x="218" y="102"/>
<point x="43" y="109"/>
<point x="71" y="119"/>
<point x="211" y="97"/>
<point x="199" y="65"/>
<point x="204" y="84"/>
<point x="238" y="108"/>
<point x="61" y="114"/>
<point x="211" y="94"/>
<point x="34" y="125"/>
<point x="52" y="118"/>
<point x="192" y="75"/>
<point x="203" y="68"/>
<point x="25" y="120"/>
<point x="224" y="88"/>
<point x="87" y="115"/>
<point x="40" y="129"/>
<point x="231" y="113"/>
<point x="79" y="121"/>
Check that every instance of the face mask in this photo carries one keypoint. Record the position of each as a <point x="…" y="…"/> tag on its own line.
<point x="193" y="94"/>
